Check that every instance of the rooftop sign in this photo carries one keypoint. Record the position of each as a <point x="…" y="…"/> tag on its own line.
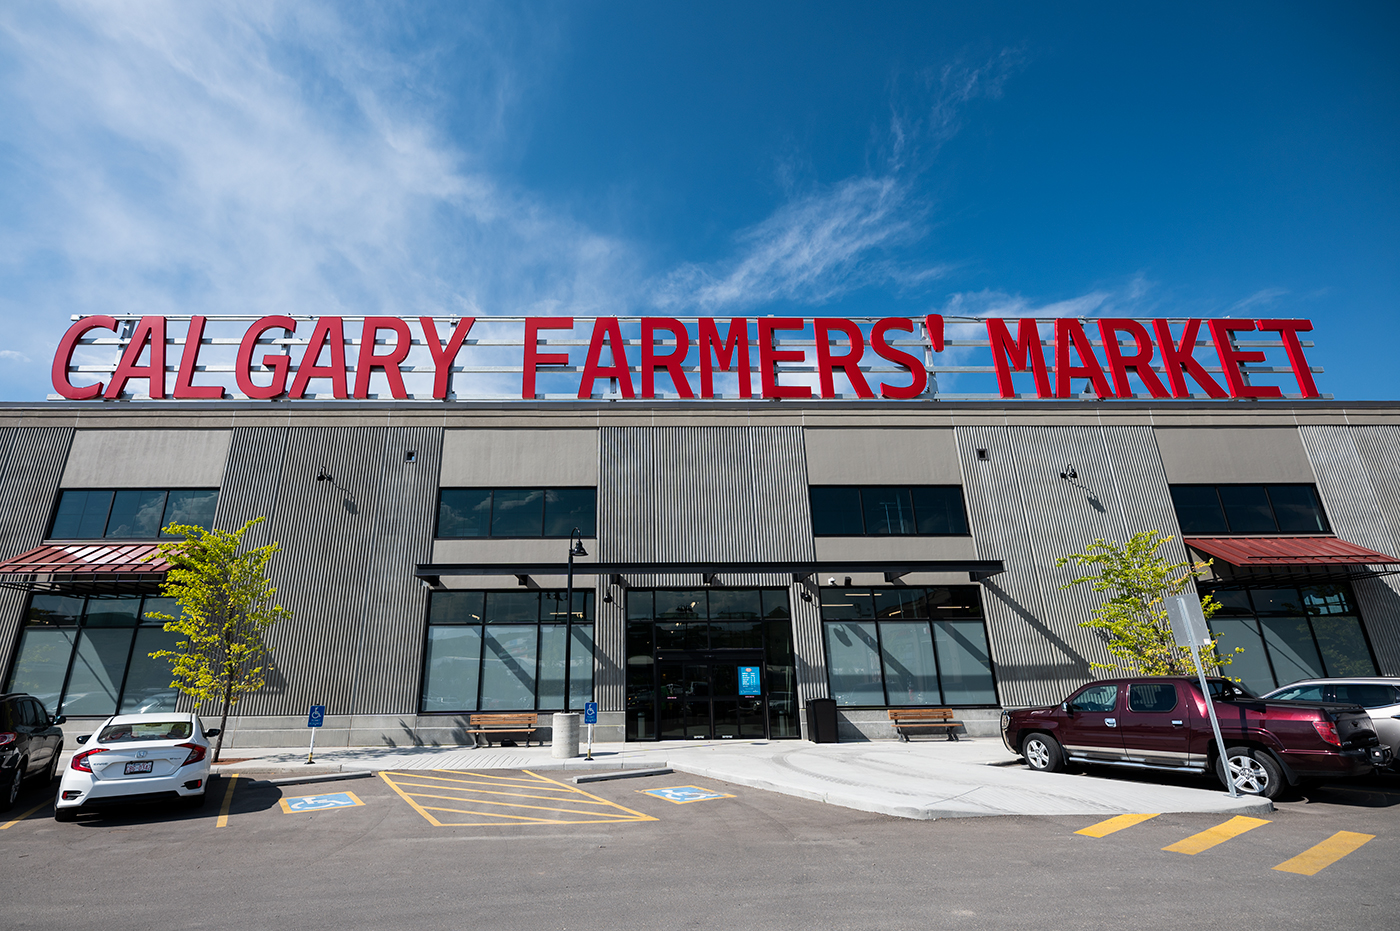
<point x="625" y="358"/>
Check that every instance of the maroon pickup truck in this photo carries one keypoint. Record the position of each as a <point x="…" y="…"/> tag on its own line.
<point x="1161" y="723"/>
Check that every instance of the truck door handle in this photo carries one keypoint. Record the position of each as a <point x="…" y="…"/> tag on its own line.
<point x="1178" y="723"/>
<point x="1111" y="722"/>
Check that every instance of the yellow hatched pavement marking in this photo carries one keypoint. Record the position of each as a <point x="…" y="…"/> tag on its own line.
<point x="228" y="803"/>
<point x="1113" y="825"/>
<point x="15" y="821"/>
<point x="472" y="791"/>
<point x="1219" y="834"/>
<point x="1317" y="858"/>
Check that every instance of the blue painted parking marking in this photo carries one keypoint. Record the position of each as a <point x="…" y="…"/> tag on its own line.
<point x="320" y="802"/>
<point x="684" y="795"/>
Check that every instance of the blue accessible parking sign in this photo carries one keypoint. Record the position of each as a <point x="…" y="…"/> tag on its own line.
<point x="317" y="717"/>
<point x="590" y="712"/>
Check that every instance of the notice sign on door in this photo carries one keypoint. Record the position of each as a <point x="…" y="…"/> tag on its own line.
<point x="749" y="681"/>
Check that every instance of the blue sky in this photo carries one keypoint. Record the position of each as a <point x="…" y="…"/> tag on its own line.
<point x="725" y="158"/>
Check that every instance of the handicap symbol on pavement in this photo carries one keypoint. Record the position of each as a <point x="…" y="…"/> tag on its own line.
<point x="320" y="802"/>
<point x="683" y="795"/>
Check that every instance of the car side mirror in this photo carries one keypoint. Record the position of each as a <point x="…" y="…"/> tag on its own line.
<point x="61" y="719"/>
<point x="1066" y="707"/>
<point x="84" y="739"/>
<point x="212" y="732"/>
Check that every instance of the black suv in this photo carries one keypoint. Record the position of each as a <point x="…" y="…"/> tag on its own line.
<point x="31" y="743"/>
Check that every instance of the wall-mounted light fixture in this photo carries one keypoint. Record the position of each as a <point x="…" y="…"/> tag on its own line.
<point x="1069" y="474"/>
<point x="981" y="454"/>
<point x="410" y="456"/>
<point x="324" y="476"/>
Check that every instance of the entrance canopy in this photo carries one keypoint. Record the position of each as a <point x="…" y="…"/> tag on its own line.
<point x="1248" y="552"/>
<point x="73" y="567"/>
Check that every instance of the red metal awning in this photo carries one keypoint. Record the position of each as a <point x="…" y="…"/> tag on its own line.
<point x="1244" y="552"/>
<point x="88" y="561"/>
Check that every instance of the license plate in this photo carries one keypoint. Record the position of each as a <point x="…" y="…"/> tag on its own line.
<point x="137" y="768"/>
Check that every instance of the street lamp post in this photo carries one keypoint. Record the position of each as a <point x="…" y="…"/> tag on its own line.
<point x="575" y="549"/>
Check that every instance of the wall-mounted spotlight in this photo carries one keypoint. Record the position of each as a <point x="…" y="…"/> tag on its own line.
<point x="410" y="456"/>
<point x="1069" y="474"/>
<point x="981" y="455"/>
<point x="324" y="476"/>
<point x="848" y="581"/>
<point x="831" y="580"/>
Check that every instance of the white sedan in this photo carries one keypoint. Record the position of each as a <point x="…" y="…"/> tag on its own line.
<point x="137" y="758"/>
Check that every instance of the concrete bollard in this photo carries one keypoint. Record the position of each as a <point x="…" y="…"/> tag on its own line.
<point x="564" y="746"/>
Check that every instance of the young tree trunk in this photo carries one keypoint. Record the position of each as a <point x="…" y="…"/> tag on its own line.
<point x="223" y="721"/>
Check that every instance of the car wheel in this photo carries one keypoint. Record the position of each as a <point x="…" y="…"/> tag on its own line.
<point x="65" y="814"/>
<point x="1043" y="753"/>
<point x="1254" y="772"/>
<point x="10" y="792"/>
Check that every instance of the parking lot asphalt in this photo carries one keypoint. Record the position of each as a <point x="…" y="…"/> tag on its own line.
<point x="518" y="849"/>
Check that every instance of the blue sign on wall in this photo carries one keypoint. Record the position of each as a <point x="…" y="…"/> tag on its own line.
<point x="590" y="712"/>
<point x="749" y="682"/>
<point x="317" y="716"/>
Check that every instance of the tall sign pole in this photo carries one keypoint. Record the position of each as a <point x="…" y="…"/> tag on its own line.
<point x="1190" y="630"/>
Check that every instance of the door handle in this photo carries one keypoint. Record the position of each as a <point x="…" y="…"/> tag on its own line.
<point x="1111" y="722"/>
<point x="1178" y="723"/>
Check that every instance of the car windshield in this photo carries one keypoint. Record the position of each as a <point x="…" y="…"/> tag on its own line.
<point x="1225" y="690"/>
<point x="138" y="731"/>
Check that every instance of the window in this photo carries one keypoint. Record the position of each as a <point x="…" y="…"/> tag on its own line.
<point x="1367" y="695"/>
<point x="1097" y="698"/>
<point x="1154" y="698"/>
<point x="1301" y="693"/>
<point x="907" y="646"/>
<point x="1246" y="509"/>
<point x="91" y="655"/>
<point x="879" y="510"/>
<point x="507" y="651"/>
<point x="130" y="513"/>
<point x="1289" y="634"/>
<point x="515" y="512"/>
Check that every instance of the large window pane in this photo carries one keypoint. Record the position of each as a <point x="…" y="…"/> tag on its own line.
<point x="567" y="508"/>
<point x="464" y="512"/>
<point x="98" y="667"/>
<point x="508" y="668"/>
<point x="55" y="610"/>
<point x="1276" y="601"/>
<point x="640" y="606"/>
<point x="836" y="512"/>
<point x="735" y="605"/>
<point x="456" y="608"/>
<point x="453" y="663"/>
<point x="581" y="666"/>
<point x="82" y="515"/>
<point x="1291" y="648"/>
<point x="1327" y="599"/>
<point x="939" y="510"/>
<point x="911" y="673"/>
<point x="846" y="604"/>
<point x="1343" y="646"/>
<point x="737" y="635"/>
<point x="853" y="664"/>
<point x="512" y="607"/>
<point x="1198" y="509"/>
<point x="167" y="606"/>
<point x="965" y="663"/>
<point x="136" y="515"/>
<point x="887" y="510"/>
<point x="1247" y="509"/>
<point x="775" y="603"/>
<point x="517" y="512"/>
<point x="551" y="687"/>
<point x="112" y="612"/>
<point x="681" y="605"/>
<point x="42" y="664"/>
<point x="191" y="507"/>
<point x="1297" y="509"/>
<point x="148" y="680"/>
<point x="556" y="606"/>
<point x="1251" y="667"/>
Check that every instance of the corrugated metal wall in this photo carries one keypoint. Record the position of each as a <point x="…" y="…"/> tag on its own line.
<point x="31" y="465"/>
<point x="1025" y="514"/>
<point x="1358" y="475"/>
<point x="676" y="494"/>
<point x="346" y="565"/>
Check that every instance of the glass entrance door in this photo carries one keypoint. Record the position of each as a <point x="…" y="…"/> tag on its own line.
<point x="702" y="700"/>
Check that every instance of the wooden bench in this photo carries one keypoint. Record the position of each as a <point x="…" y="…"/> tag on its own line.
<point x="488" y="724"/>
<point x="911" y="718"/>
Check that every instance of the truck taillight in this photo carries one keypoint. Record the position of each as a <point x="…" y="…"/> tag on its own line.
<point x="80" y="762"/>
<point x="1327" y="730"/>
<point x="196" y="753"/>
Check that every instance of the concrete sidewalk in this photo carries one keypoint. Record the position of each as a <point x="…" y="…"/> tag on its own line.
<point x="921" y="779"/>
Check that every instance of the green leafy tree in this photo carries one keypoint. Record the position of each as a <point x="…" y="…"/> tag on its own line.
<point x="1137" y="581"/>
<point x="226" y="602"/>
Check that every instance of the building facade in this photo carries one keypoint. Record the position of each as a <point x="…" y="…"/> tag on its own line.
<point x="741" y="558"/>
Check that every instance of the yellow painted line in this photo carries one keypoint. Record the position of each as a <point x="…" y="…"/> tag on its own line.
<point x="1113" y="825"/>
<point x="1217" y="835"/>
<point x="523" y="819"/>
<point x="487" y="801"/>
<point x="443" y="788"/>
<point x="407" y="798"/>
<point x="1318" y="858"/>
<point x="639" y="815"/>
<point x="228" y="802"/>
<point x="23" y="816"/>
<point x="445" y="783"/>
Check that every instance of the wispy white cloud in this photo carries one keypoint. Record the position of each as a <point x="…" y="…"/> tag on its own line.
<point x="264" y="158"/>
<point x="1260" y="298"/>
<point x="826" y="242"/>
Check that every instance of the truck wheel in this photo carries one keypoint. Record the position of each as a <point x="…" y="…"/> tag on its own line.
<point x="1254" y="771"/>
<point x="1043" y="753"/>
